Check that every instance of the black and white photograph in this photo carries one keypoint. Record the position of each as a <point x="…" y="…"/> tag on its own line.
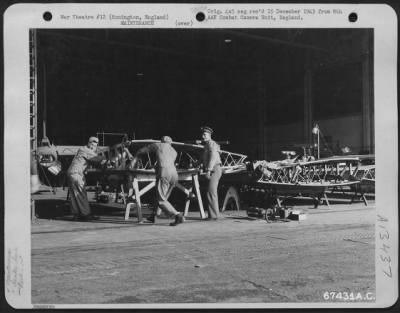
<point x="204" y="165"/>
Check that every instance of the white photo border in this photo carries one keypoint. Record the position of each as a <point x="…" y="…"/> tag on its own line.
<point x="20" y="18"/>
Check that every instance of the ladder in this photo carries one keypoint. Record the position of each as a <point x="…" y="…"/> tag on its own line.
<point x="33" y="92"/>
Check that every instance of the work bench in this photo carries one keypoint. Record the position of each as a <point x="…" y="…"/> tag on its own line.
<point x="145" y="180"/>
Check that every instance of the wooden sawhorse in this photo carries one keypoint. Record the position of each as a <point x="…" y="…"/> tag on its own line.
<point x="146" y="176"/>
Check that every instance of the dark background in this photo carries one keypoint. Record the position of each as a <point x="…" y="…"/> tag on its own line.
<point x="149" y="83"/>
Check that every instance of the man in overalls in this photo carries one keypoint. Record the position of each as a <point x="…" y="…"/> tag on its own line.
<point x="76" y="179"/>
<point x="166" y="177"/>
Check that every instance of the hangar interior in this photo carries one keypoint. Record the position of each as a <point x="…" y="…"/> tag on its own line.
<point x="263" y="90"/>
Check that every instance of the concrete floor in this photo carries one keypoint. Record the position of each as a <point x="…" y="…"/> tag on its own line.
<point x="233" y="260"/>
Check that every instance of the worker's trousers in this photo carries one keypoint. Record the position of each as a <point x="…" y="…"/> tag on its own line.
<point x="212" y="192"/>
<point x="79" y="200"/>
<point x="165" y="183"/>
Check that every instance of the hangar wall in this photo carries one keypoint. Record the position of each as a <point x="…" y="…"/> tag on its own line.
<point x="337" y="95"/>
<point x="260" y="95"/>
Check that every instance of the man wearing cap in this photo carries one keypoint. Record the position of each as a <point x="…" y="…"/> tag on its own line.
<point x="166" y="177"/>
<point x="76" y="179"/>
<point x="35" y="182"/>
<point x="47" y="151"/>
<point x="212" y="167"/>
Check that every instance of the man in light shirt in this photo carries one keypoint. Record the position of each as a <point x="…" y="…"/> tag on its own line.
<point x="212" y="167"/>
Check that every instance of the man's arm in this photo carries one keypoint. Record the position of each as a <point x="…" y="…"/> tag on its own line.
<point x="214" y="156"/>
<point x="128" y="154"/>
<point x="93" y="157"/>
<point x="128" y="158"/>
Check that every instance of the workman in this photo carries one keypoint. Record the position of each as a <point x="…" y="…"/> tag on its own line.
<point x="122" y="161"/>
<point x="213" y="170"/>
<point x="35" y="182"/>
<point x="166" y="177"/>
<point x="48" y="163"/>
<point x="85" y="156"/>
<point x="47" y="152"/>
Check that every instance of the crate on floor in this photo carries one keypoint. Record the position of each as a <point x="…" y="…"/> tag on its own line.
<point x="298" y="215"/>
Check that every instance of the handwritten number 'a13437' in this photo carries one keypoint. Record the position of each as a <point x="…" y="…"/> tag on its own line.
<point x="384" y="247"/>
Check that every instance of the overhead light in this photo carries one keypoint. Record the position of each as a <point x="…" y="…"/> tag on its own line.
<point x="315" y="130"/>
<point x="139" y="74"/>
<point x="227" y="40"/>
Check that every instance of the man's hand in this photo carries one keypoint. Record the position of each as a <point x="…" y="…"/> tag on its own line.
<point x="133" y="162"/>
<point x="128" y="154"/>
<point x="208" y="174"/>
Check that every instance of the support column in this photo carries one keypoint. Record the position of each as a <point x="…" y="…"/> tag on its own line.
<point x="308" y="91"/>
<point x="261" y="109"/>
<point x="367" y="110"/>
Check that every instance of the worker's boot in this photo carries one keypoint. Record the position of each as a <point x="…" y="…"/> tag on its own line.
<point x="178" y="220"/>
<point x="151" y="219"/>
